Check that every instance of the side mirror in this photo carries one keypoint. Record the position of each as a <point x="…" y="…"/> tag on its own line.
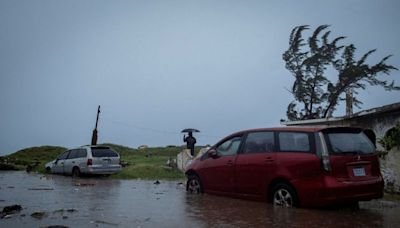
<point x="212" y="153"/>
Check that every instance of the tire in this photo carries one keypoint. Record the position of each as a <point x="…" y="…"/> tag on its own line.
<point x="283" y="195"/>
<point x="48" y="170"/>
<point x="194" y="185"/>
<point x="76" y="172"/>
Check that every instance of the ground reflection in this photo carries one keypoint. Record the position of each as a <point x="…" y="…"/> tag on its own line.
<point x="139" y="203"/>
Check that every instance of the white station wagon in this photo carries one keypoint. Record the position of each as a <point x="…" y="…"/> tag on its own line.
<point x="86" y="160"/>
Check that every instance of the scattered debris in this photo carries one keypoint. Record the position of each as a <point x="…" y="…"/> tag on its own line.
<point x="157" y="182"/>
<point x="8" y="216"/>
<point x="56" y="226"/>
<point x="39" y="214"/>
<point x="84" y="184"/>
<point x="30" y="167"/>
<point x="149" y="154"/>
<point x="62" y="210"/>
<point x="104" y="222"/>
<point x="11" y="209"/>
<point x="171" y="163"/>
<point x="40" y="189"/>
<point x="125" y="164"/>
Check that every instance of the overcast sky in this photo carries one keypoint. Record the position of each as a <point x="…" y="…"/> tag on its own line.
<point x="156" y="67"/>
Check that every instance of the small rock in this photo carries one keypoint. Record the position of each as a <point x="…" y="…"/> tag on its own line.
<point x="71" y="210"/>
<point x="12" y="209"/>
<point x="38" y="214"/>
<point x="157" y="182"/>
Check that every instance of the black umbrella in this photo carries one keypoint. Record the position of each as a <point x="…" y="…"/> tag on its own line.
<point x="189" y="130"/>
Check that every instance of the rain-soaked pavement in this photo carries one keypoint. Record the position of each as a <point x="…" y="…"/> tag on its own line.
<point x="97" y="202"/>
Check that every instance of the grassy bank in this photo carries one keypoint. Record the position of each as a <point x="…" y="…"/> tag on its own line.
<point x="147" y="163"/>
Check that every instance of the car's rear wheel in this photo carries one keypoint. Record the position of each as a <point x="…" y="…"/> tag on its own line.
<point x="76" y="172"/>
<point x="284" y="195"/>
<point x="193" y="185"/>
<point x="48" y="170"/>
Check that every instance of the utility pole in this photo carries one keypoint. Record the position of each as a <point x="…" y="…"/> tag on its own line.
<point x="94" y="135"/>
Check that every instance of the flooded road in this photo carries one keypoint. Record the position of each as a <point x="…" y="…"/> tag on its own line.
<point x="97" y="202"/>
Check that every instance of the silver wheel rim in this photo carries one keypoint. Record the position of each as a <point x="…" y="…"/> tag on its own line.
<point x="282" y="197"/>
<point x="194" y="186"/>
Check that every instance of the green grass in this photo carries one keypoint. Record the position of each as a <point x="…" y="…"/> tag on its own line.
<point x="33" y="156"/>
<point x="139" y="165"/>
<point x="147" y="167"/>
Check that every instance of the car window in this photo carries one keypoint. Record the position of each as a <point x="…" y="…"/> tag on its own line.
<point x="73" y="154"/>
<point x="103" y="152"/>
<point x="64" y="155"/>
<point x="77" y="153"/>
<point x="259" y="142"/>
<point x="294" y="142"/>
<point x="229" y="147"/>
<point x="343" y="142"/>
<point x="82" y="153"/>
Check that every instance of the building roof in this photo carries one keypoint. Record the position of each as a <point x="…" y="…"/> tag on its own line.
<point x="391" y="108"/>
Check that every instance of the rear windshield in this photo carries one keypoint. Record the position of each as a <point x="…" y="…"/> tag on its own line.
<point x="103" y="152"/>
<point x="349" y="142"/>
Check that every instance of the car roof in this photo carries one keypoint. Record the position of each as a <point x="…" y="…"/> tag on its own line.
<point x="290" y="128"/>
<point x="314" y="128"/>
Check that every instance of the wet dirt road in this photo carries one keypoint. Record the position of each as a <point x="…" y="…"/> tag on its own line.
<point x="96" y="202"/>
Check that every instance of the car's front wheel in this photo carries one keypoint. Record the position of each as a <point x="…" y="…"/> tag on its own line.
<point x="284" y="195"/>
<point x="193" y="185"/>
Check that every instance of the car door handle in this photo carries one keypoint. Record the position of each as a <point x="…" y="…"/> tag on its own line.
<point x="73" y="162"/>
<point x="229" y="162"/>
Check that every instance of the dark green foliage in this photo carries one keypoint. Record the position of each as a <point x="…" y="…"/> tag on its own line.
<point x="392" y="138"/>
<point x="309" y="63"/>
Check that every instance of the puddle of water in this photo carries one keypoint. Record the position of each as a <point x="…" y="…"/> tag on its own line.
<point x="100" y="202"/>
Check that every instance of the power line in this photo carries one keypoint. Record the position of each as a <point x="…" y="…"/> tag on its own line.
<point x="165" y="132"/>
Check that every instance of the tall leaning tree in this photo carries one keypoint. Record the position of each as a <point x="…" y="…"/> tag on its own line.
<point x="311" y="61"/>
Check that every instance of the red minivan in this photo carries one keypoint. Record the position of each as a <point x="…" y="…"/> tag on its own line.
<point x="291" y="166"/>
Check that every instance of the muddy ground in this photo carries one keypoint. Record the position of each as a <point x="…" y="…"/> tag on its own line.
<point x="49" y="200"/>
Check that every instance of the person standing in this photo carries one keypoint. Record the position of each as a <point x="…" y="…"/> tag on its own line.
<point x="190" y="141"/>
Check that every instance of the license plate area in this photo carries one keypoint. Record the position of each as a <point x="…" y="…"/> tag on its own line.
<point x="106" y="161"/>
<point x="359" y="172"/>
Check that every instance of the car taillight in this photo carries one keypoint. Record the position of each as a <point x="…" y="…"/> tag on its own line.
<point x="326" y="163"/>
<point x="89" y="162"/>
